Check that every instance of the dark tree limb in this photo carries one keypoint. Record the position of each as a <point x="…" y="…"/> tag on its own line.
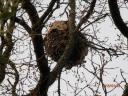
<point x="23" y="24"/>
<point x="72" y="16"/>
<point x="49" y="10"/>
<point x="31" y="10"/>
<point x="12" y="64"/>
<point x="35" y="34"/>
<point x="42" y="63"/>
<point x="65" y="58"/>
<point x="37" y="40"/>
<point x="120" y="24"/>
<point x="47" y="14"/>
<point x="33" y="14"/>
<point x="87" y="16"/>
<point x="3" y="63"/>
<point x="59" y="89"/>
<point x="115" y="13"/>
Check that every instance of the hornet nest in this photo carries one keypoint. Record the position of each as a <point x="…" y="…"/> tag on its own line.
<point x="56" y="40"/>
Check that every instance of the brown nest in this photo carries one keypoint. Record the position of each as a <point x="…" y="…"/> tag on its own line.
<point x="56" y="40"/>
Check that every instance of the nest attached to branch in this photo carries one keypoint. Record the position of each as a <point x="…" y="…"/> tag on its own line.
<point x="56" y="40"/>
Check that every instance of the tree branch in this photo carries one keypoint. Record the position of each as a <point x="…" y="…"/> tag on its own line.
<point x="65" y="58"/>
<point x="115" y="13"/>
<point x="47" y="14"/>
<point x="49" y="10"/>
<point x="23" y="24"/>
<point x="12" y="64"/>
<point x="31" y="10"/>
<point x="87" y="16"/>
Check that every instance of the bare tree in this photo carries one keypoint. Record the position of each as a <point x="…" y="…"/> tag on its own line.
<point x="23" y="26"/>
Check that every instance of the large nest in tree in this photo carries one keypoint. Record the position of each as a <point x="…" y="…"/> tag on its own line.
<point x="56" y="40"/>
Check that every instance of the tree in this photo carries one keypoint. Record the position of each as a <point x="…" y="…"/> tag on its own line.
<point x="120" y="24"/>
<point x="28" y="19"/>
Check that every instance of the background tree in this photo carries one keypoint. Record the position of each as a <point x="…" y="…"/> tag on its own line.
<point x="30" y="72"/>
